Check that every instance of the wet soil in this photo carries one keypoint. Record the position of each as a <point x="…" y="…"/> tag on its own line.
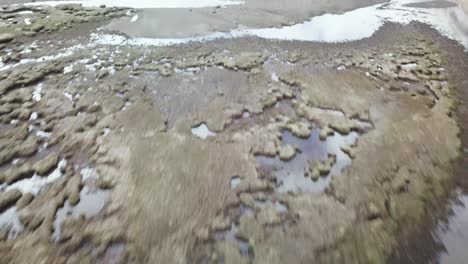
<point x="444" y="230"/>
<point x="166" y="194"/>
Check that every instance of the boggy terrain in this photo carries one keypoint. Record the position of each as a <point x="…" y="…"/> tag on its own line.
<point x="230" y="151"/>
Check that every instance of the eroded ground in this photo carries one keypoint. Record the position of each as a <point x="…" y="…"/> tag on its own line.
<point x="231" y="151"/>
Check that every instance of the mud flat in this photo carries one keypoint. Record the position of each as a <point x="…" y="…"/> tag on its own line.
<point x="239" y="150"/>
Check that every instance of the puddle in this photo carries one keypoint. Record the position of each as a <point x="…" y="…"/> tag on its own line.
<point x="92" y="201"/>
<point x="279" y="206"/>
<point x="9" y="220"/>
<point x="202" y="131"/>
<point x="105" y="131"/>
<point x="235" y="181"/>
<point x="87" y="173"/>
<point x="350" y="26"/>
<point x="230" y="236"/>
<point x="145" y="3"/>
<point x="36" y="183"/>
<point x="364" y="22"/>
<point x="358" y="24"/>
<point x="90" y="204"/>
<point x="453" y="234"/>
<point x="290" y="174"/>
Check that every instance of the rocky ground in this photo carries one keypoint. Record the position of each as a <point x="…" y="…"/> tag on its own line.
<point x="231" y="151"/>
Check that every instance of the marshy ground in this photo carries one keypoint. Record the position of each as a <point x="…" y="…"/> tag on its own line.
<point x="118" y="145"/>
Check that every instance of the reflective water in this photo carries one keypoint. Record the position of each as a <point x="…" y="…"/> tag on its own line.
<point x="202" y="131"/>
<point x="90" y="204"/>
<point x="361" y="23"/>
<point x="354" y="25"/>
<point x="9" y="220"/>
<point x="235" y="181"/>
<point x="230" y="236"/>
<point x="291" y="174"/>
<point x="453" y="234"/>
<point x="357" y="24"/>
<point x="36" y="183"/>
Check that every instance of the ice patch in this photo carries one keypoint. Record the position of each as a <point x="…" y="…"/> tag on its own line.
<point x="134" y="18"/>
<point x="145" y="3"/>
<point x="202" y="131"/>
